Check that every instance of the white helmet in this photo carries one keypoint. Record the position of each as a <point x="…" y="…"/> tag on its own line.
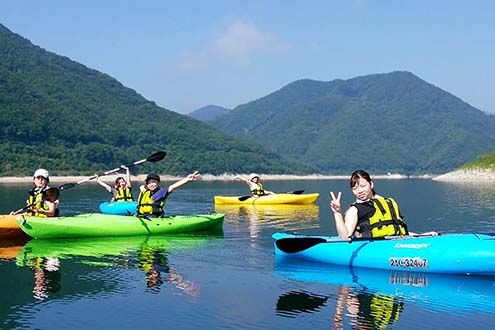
<point x="41" y="172"/>
<point x="253" y="175"/>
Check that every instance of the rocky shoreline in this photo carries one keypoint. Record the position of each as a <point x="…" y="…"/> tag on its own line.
<point x="475" y="175"/>
<point x="204" y="177"/>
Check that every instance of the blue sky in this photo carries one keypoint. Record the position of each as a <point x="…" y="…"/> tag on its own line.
<point x="187" y="54"/>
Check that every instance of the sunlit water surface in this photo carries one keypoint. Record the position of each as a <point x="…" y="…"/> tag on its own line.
<point x="232" y="280"/>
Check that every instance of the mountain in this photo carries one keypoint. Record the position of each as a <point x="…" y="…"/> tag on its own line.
<point x="392" y="122"/>
<point x="208" y="113"/>
<point x="58" y="114"/>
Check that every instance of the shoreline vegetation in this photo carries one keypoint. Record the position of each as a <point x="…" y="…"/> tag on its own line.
<point x="456" y="176"/>
<point x="204" y="177"/>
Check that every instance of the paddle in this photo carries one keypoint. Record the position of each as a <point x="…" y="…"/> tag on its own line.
<point x="49" y="194"/>
<point x="295" y="192"/>
<point x="298" y="244"/>
<point x="157" y="156"/>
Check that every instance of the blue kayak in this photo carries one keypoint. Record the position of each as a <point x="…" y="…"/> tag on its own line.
<point x="448" y="254"/>
<point x="119" y="208"/>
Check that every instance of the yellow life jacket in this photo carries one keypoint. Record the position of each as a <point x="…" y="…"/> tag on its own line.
<point x="384" y="310"/>
<point x="123" y="195"/>
<point x="259" y="191"/>
<point x="147" y="206"/>
<point x="385" y="221"/>
<point x="36" y="199"/>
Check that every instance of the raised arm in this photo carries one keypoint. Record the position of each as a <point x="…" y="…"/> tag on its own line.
<point x="191" y="177"/>
<point x="240" y="178"/>
<point x="103" y="184"/>
<point x="127" y="175"/>
<point x="345" y="228"/>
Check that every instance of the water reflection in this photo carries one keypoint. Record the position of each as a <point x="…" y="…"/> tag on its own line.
<point x="357" y="307"/>
<point x="46" y="277"/>
<point x="284" y="217"/>
<point x="369" y="299"/>
<point x="294" y="302"/>
<point x="468" y="199"/>
<point x="10" y="247"/>
<point x="147" y="254"/>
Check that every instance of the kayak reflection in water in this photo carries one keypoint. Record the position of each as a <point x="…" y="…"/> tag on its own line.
<point x="121" y="191"/>
<point x="254" y="184"/>
<point x="371" y="215"/>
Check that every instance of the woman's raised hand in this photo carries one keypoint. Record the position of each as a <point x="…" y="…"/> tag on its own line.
<point x="335" y="202"/>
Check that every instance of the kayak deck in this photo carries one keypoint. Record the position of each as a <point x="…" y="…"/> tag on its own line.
<point x="118" y="208"/>
<point x="102" y="225"/>
<point x="269" y="199"/>
<point x="449" y="253"/>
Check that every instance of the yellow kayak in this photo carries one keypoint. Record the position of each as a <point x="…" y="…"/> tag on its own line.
<point x="9" y="227"/>
<point x="282" y="198"/>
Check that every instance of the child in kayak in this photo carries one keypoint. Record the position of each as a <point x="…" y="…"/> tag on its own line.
<point x="152" y="198"/>
<point x="121" y="192"/>
<point x="371" y="215"/>
<point x="254" y="184"/>
<point x="41" y="202"/>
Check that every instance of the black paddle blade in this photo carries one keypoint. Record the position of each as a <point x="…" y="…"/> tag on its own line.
<point x="157" y="156"/>
<point x="297" y="244"/>
<point x="296" y="192"/>
<point x="243" y="198"/>
<point x="67" y="186"/>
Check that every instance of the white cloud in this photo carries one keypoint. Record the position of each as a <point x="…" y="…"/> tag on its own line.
<point x="242" y="42"/>
<point x="189" y="62"/>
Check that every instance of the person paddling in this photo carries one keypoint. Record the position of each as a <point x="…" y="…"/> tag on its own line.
<point x="254" y="184"/>
<point x="121" y="191"/>
<point x="41" y="203"/>
<point x="152" y="198"/>
<point x="371" y="215"/>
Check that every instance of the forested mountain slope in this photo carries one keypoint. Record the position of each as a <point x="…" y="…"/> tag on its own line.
<point x="59" y="114"/>
<point x="393" y="122"/>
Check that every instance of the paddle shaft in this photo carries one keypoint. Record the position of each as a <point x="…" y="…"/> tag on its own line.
<point x="295" y="192"/>
<point x="50" y="193"/>
<point x="299" y="244"/>
<point x="157" y="156"/>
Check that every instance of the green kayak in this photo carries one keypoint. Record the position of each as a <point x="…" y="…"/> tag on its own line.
<point x="102" y="225"/>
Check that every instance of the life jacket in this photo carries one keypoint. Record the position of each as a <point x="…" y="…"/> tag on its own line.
<point x="381" y="310"/>
<point x="36" y="198"/>
<point x="258" y="191"/>
<point x="386" y="220"/>
<point x="147" y="206"/>
<point x="123" y="195"/>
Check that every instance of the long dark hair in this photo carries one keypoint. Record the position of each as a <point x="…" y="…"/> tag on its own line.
<point x="356" y="175"/>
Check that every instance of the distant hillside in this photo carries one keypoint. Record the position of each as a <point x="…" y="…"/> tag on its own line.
<point x="392" y="122"/>
<point x="58" y="114"/>
<point x="485" y="161"/>
<point x="482" y="170"/>
<point x="208" y="113"/>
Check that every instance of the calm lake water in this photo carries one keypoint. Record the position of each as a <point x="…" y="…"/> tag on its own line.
<point x="231" y="280"/>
